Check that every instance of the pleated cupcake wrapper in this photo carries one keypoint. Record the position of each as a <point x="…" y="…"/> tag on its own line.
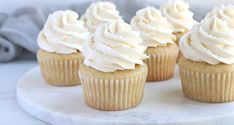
<point x="60" y="72"/>
<point x="208" y="87"/>
<point x="179" y="55"/>
<point x="113" y="94"/>
<point x="161" y="66"/>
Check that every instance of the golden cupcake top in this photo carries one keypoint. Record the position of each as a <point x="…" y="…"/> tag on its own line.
<point x="114" y="46"/>
<point x="99" y="13"/>
<point x="154" y="29"/>
<point x="178" y="14"/>
<point x="63" y="33"/>
<point x="211" y="41"/>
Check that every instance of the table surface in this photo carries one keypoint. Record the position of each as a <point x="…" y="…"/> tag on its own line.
<point x="10" y="111"/>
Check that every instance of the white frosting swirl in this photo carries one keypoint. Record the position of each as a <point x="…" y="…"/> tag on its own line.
<point x="114" y="46"/>
<point x="211" y="41"/>
<point x="99" y="13"/>
<point x="63" y="33"/>
<point x="224" y="13"/>
<point x="178" y="14"/>
<point x="154" y="29"/>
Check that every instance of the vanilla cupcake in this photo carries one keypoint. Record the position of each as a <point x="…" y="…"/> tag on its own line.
<point x="99" y="13"/>
<point x="157" y="35"/>
<point x="113" y="74"/>
<point x="224" y="13"/>
<point x="60" y="43"/>
<point x="207" y="68"/>
<point x="178" y="14"/>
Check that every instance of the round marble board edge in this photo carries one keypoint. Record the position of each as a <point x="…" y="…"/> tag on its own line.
<point x="163" y="104"/>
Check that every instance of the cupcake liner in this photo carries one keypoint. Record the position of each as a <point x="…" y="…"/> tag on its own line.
<point x="161" y="65"/>
<point x="58" y="70"/>
<point x="118" y="92"/>
<point x="179" y="56"/>
<point x="206" y="86"/>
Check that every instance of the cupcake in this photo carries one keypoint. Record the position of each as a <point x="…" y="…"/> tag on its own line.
<point x="207" y="68"/>
<point x="60" y="43"/>
<point x="157" y="36"/>
<point x="113" y="74"/>
<point x="99" y="13"/>
<point x="178" y="14"/>
<point x="224" y="13"/>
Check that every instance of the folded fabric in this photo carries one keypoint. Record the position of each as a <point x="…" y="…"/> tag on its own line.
<point x="8" y="50"/>
<point x="19" y="31"/>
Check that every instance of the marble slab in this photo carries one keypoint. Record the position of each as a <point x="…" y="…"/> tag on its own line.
<point x="163" y="104"/>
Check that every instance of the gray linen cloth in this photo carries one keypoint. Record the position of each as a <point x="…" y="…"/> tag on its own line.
<point x="19" y="30"/>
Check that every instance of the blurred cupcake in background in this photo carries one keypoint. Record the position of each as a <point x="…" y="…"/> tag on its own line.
<point x="178" y="14"/>
<point x="157" y="35"/>
<point x="225" y="13"/>
<point x="113" y="74"/>
<point x="99" y="13"/>
<point x="60" y="43"/>
<point x="207" y="68"/>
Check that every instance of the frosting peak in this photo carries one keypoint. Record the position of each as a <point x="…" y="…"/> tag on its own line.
<point x="99" y="13"/>
<point x="177" y="12"/>
<point x="217" y="25"/>
<point x="211" y="41"/>
<point x="154" y="29"/>
<point x="62" y="33"/>
<point x="114" y="46"/>
<point x="224" y="13"/>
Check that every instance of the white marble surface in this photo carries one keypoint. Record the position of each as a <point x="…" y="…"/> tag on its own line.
<point x="10" y="112"/>
<point x="163" y="104"/>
